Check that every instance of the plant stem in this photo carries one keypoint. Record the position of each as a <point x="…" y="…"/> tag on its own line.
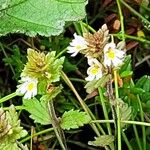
<point x="118" y="111"/>
<point x="88" y="27"/>
<point x="123" y="121"/>
<point x="8" y="97"/>
<point x="142" y="119"/>
<point x="16" y="107"/>
<point x="127" y="141"/>
<point x="76" y="25"/>
<point x="121" y="20"/>
<point x="62" y="51"/>
<point x="31" y="142"/>
<point x="134" y="12"/>
<point x="133" y="38"/>
<point x="55" y="123"/>
<point x="36" y="134"/>
<point x="105" y="113"/>
<point x="137" y="136"/>
<point x="104" y="110"/>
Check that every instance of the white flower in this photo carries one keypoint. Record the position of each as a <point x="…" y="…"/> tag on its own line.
<point x="77" y="44"/>
<point x="28" y="87"/>
<point x="95" y="69"/>
<point x="112" y="56"/>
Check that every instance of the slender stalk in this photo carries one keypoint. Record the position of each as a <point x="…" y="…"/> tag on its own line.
<point x="16" y="107"/>
<point x="127" y="141"/>
<point x="36" y="134"/>
<point x="137" y="137"/>
<point x="55" y="123"/>
<point x="104" y="110"/>
<point x="134" y="12"/>
<point x="134" y="127"/>
<point x="142" y="119"/>
<point x="88" y="27"/>
<point x="8" y="97"/>
<point x="133" y="38"/>
<point x="123" y="121"/>
<point x="121" y="20"/>
<point x="76" y="25"/>
<point x="118" y="111"/>
<point x="105" y="113"/>
<point x="62" y="51"/>
<point x="31" y="141"/>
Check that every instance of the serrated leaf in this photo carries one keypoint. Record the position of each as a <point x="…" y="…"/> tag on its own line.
<point x="38" y="111"/>
<point x="45" y="17"/>
<point x="74" y="119"/>
<point x="125" y="111"/>
<point x="102" y="141"/>
<point x="9" y="146"/>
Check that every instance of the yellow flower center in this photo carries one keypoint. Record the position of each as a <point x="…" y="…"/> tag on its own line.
<point x="94" y="70"/>
<point x="111" y="54"/>
<point x="78" y="47"/>
<point x="30" y="86"/>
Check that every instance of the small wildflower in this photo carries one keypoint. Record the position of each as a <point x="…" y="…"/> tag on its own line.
<point x="112" y="56"/>
<point x="95" y="69"/>
<point x="77" y="44"/>
<point x="28" y="87"/>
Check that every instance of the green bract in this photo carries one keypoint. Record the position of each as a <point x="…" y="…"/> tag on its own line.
<point x="8" y="140"/>
<point x="43" y="66"/>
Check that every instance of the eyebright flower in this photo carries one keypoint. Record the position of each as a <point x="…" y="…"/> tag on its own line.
<point x="28" y="87"/>
<point x="77" y="44"/>
<point x="43" y="66"/>
<point x="112" y="56"/>
<point x="95" y="69"/>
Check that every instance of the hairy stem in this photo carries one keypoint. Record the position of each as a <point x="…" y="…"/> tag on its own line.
<point x="8" y="97"/>
<point x="55" y="123"/>
<point x="118" y="111"/>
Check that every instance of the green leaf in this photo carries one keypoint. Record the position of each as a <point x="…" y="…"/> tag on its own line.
<point x="125" y="111"/>
<point x="126" y="73"/>
<point x="127" y="65"/>
<point x="9" y="146"/>
<point x="102" y="141"/>
<point x="144" y="83"/>
<point x="68" y="66"/>
<point x="74" y="119"/>
<point x="38" y="111"/>
<point x="45" y="17"/>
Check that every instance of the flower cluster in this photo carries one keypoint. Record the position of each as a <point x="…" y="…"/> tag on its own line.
<point x="101" y="53"/>
<point x="41" y="67"/>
